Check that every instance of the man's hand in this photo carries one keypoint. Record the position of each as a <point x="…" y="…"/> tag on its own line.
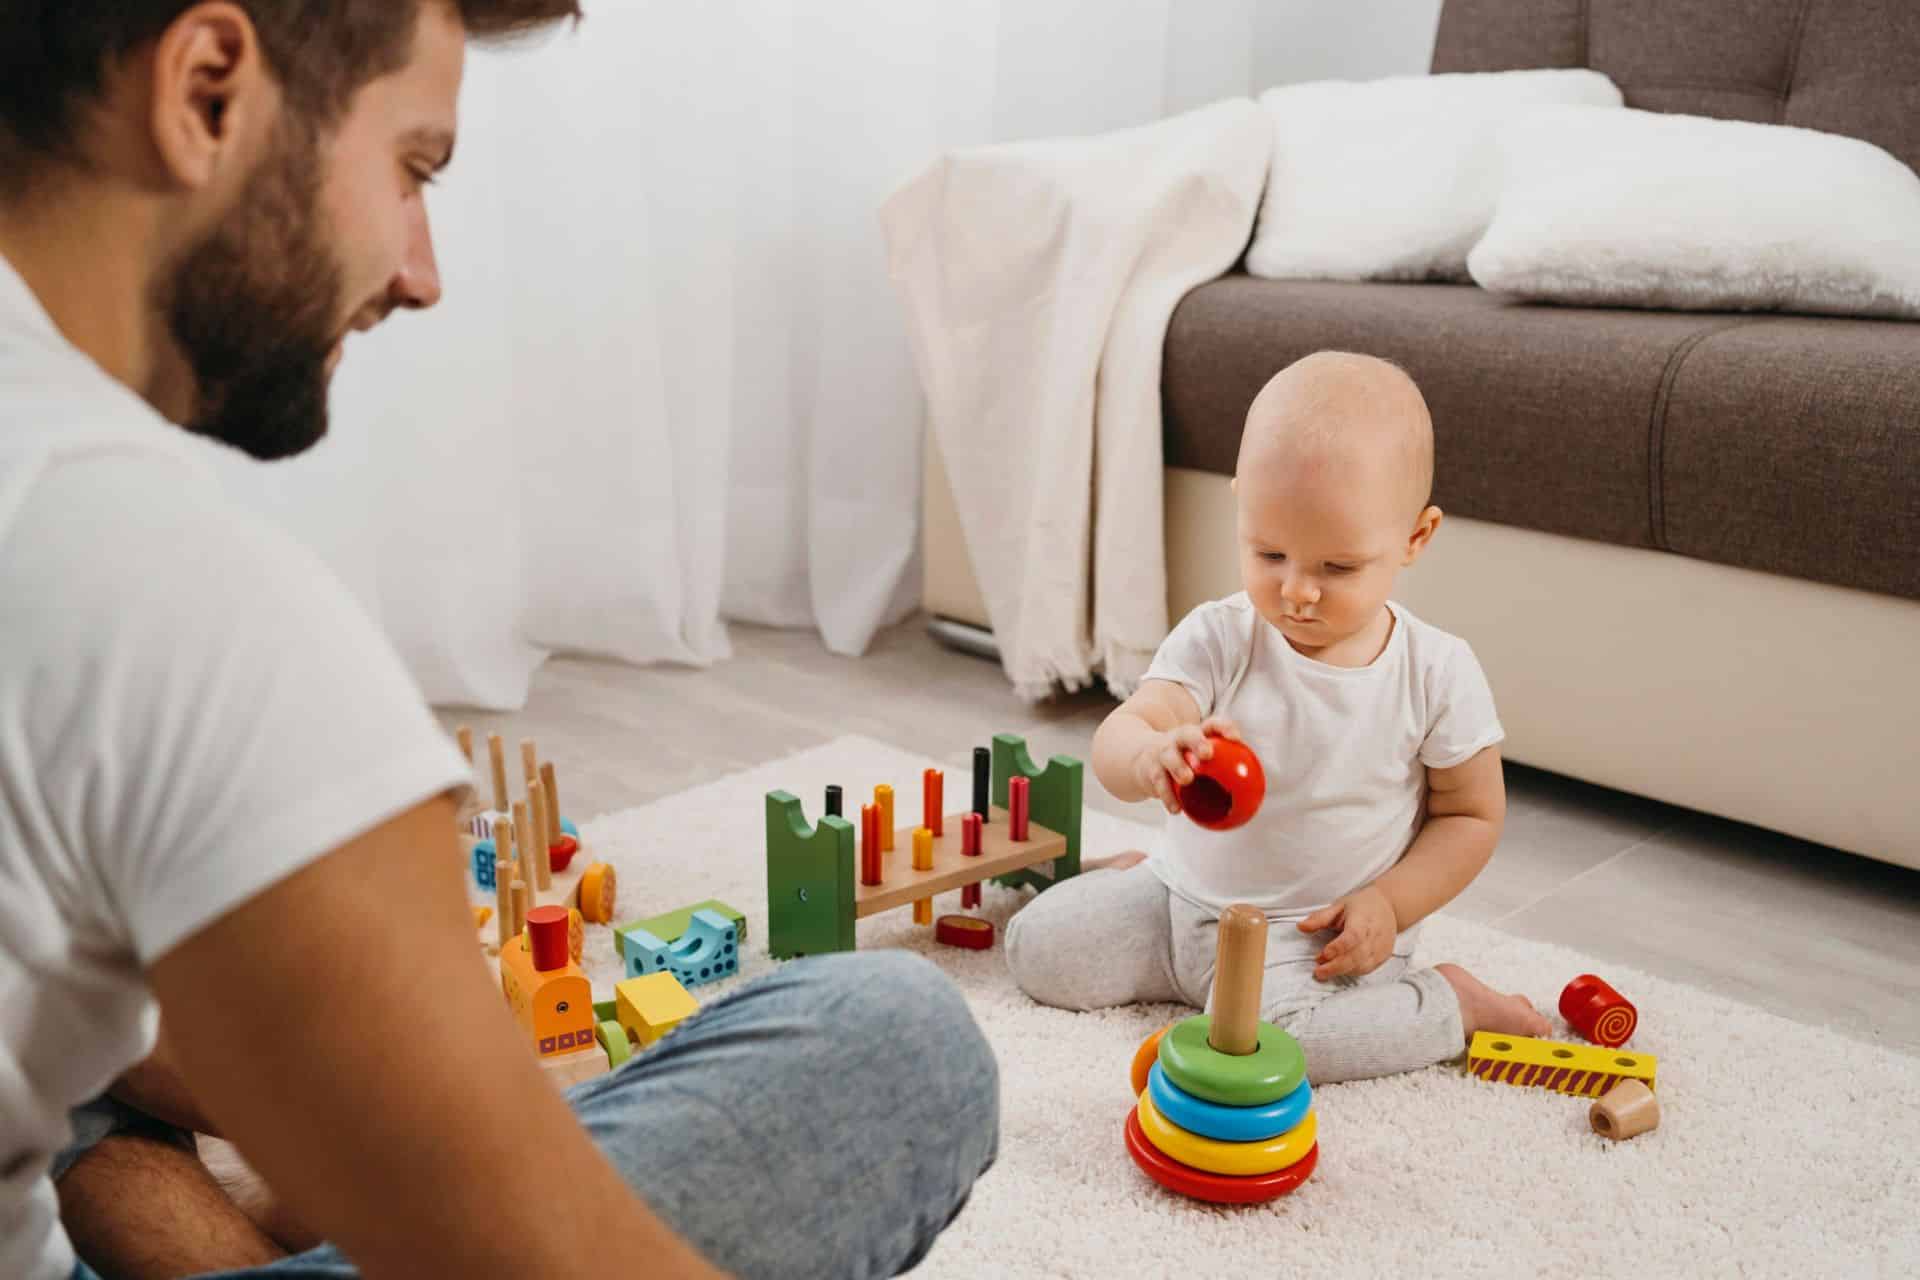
<point x="1367" y="930"/>
<point x="1166" y="763"/>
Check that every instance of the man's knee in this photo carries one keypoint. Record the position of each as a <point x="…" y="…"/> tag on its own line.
<point x="896" y="998"/>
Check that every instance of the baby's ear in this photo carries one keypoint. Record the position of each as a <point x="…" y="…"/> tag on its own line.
<point x="1424" y="527"/>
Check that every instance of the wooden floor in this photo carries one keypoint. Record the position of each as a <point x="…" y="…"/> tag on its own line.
<point x="1813" y="934"/>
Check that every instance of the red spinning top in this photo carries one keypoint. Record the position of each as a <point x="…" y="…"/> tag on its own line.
<point x="1227" y="789"/>
<point x="1598" y="1012"/>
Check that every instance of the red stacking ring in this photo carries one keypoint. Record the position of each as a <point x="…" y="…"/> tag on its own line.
<point x="1216" y="1187"/>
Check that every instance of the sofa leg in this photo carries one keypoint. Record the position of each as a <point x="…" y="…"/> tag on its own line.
<point x="963" y="636"/>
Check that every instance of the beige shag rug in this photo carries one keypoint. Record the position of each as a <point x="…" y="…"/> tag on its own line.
<point x="1784" y="1150"/>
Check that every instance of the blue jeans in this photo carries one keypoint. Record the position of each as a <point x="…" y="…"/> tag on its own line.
<point x="827" y="1120"/>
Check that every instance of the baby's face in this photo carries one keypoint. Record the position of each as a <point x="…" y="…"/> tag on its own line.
<point x="1322" y="537"/>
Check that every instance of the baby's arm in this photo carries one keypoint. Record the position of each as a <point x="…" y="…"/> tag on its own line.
<point x="1139" y="750"/>
<point x="1466" y="807"/>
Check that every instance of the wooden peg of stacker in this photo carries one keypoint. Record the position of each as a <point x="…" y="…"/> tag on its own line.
<point x="552" y="789"/>
<point x="497" y="757"/>
<point x="529" y="760"/>
<point x="537" y="847"/>
<point x="1239" y="966"/>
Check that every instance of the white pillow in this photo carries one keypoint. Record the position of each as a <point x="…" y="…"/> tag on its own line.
<point x="1636" y="208"/>
<point x="1393" y="179"/>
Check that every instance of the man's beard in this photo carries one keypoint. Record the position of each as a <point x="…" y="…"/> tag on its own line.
<point x="255" y="307"/>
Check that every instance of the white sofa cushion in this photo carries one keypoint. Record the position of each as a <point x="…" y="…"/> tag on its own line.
<point x="1393" y="179"/>
<point x="1637" y="208"/>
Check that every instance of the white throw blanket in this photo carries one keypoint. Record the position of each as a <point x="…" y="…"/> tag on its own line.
<point x="1038" y="280"/>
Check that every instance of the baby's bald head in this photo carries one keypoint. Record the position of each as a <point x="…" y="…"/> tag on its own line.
<point x="1359" y="415"/>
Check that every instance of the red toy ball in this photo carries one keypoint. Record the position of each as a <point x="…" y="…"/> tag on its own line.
<point x="1227" y="789"/>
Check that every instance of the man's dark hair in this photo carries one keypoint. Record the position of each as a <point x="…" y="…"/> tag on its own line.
<point x="54" y="57"/>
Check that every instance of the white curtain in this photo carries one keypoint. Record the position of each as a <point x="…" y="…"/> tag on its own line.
<point x="670" y="382"/>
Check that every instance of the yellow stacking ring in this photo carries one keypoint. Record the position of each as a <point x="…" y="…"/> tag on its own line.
<point x="1241" y="1159"/>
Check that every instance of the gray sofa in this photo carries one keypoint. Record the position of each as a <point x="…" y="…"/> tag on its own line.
<point x="1685" y="545"/>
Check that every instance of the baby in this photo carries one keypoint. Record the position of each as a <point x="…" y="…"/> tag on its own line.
<point x="1377" y="734"/>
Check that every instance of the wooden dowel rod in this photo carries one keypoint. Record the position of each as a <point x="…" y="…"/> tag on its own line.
<point x="553" y="802"/>
<point x="529" y="760"/>
<point x="497" y="757"/>
<point x="1239" y="966"/>
<point x="537" y="847"/>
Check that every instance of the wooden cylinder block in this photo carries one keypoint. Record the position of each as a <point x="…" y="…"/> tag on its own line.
<point x="932" y="785"/>
<point x="529" y="760"/>
<point x="883" y="801"/>
<point x="982" y="783"/>
<point x="870" y="844"/>
<point x="970" y="835"/>
<point x="538" y="844"/>
<point x="1629" y="1109"/>
<point x="1019" y="802"/>
<point x="1239" y="966"/>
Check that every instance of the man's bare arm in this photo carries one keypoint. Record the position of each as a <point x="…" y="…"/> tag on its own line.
<point x="343" y="1032"/>
<point x="155" y="1087"/>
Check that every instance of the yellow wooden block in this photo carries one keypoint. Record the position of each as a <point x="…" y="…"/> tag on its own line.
<point x="1585" y="1070"/>
<point x="652" y="1005"/>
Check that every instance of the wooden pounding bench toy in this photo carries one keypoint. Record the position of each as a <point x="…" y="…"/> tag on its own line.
<point x="1023" y="828"/>
<point x="1224" y="1110"/>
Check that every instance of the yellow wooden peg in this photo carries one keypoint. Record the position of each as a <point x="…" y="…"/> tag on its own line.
<point x="1587" y="1071"/>
<point x="922" y="861"/>
<point x="883" y="799"/>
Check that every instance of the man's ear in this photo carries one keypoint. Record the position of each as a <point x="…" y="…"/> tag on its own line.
<point x="1424" y="527"/>
<point x="209" y="93"/>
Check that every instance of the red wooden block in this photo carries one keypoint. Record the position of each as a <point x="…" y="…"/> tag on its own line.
<point x="970" y="896"/>
<point x="1018" y="802"/>
<point x="561" y="854"/>
<point x="1227" y="788"/>
<point x="969" y="835"/>
<point x="1598" y="1012"/>
<point x="964" y="931"/>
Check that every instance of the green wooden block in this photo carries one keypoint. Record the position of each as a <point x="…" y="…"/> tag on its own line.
<point x="674" y="923"/>
<point x="809" y="881"/>
<point x="1053" y="801"/>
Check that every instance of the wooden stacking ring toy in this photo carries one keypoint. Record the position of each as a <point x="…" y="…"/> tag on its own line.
<point x="1227" y="787"/>
<point x="1145" y="1057"/>
<point x="1273" y="1070"/>
<point x="1227" y="1124"/>
<point x="1209" y="1155"/>
<point x="1175" y="1176"/>
<point x="1598" y="1012"/>
<point x="1224" y="1112"/>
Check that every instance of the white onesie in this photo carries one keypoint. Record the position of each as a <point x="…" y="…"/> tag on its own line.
<point x="1345" y="751"/>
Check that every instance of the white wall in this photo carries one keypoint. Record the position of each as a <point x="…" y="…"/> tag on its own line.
<point x="1297" y="40"/>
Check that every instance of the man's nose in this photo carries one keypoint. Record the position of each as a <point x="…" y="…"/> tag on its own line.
<point x="416" y="284"/>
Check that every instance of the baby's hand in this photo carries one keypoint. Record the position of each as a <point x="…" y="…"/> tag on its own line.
<point x="1166" y="764"/>
<point x="1367" y="928"/>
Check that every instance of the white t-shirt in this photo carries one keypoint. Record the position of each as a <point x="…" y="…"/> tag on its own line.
<point x="192" y="707"/>
<point x="1345" y="751"/>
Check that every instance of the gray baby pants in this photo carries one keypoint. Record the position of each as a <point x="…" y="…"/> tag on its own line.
<point x="1112" y="937"/>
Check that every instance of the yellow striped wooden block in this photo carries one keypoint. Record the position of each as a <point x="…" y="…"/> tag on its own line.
<point x="1585" y="1070"/>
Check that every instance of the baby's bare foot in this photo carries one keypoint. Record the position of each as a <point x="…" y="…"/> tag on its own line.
<point x="1484" y="1009"/>
<point x="1117" y="862"/>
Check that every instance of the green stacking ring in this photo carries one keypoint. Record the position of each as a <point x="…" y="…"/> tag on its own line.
<point x="1269" y="1073"/>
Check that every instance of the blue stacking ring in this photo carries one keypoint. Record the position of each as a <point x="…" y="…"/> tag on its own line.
<point x="1228" y="1124"/>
